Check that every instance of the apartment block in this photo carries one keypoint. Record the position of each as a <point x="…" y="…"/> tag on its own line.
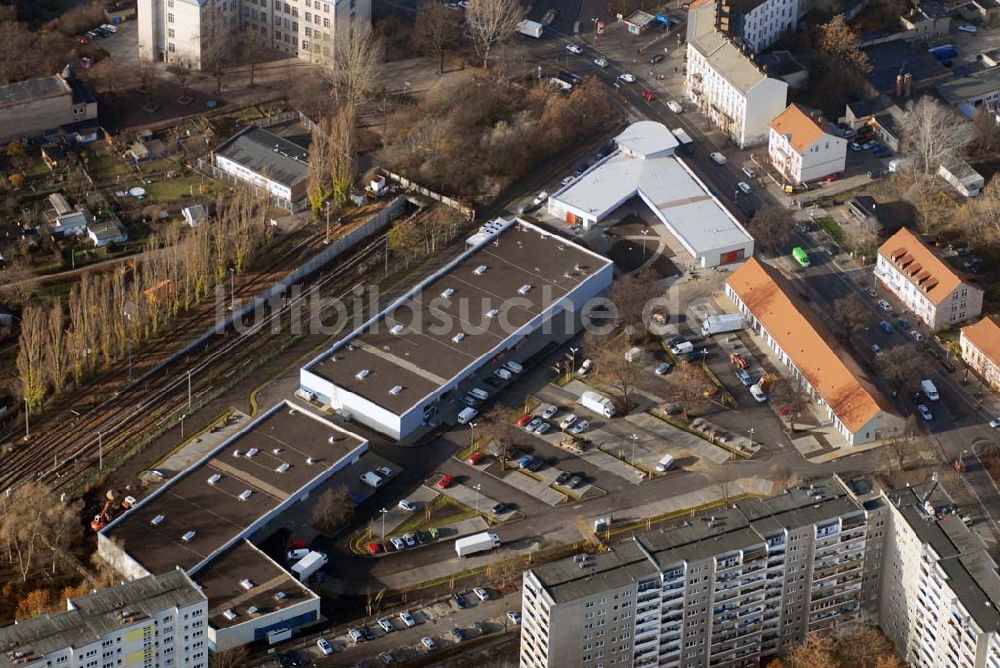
<point x="722" y="589"/>
<point x="185" y="30"/>
<point x="940" y="588"/>
<point x="757" y="23"/>
<point x="159" y="621"/>
<point x="937" y="294"/>
<point x="980" y="344"/>
<point x="803" y="147"/>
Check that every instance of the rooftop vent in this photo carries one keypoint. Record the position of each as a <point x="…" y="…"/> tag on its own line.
<point x="279" y="596"/>
<point x="284" y="467"/>
<point x="458" y="337"/>
<point x="492" y="313"/>
<point x="188" y="537"/>
<point x="480" y="270"/>
<point x="524" y="289"/>
<point x="333" y="439"/>
<point x="157" y="521"/>
<point x="397" y="329"/>
<point x="292" y="411"/>
<point x="396" y="389"/>
<point x="310" y="461"/>
<point x="447" y="293"/>
<point x="214" y="478"/>
<point x="245" y="494"/>
<point x="229" y="614"/>
<point x="252" y="610"/>
<point x="276" y="451"/>
<point x="247" y="583"/>
<point x="237" y="453"/>
<point x="252" y="452"/>
<point x="361" y="375"/>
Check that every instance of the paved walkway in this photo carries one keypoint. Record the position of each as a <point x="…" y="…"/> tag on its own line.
<point x="200" y="444"/>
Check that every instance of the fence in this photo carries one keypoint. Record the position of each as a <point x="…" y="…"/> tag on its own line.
<point x="467" y="211"/>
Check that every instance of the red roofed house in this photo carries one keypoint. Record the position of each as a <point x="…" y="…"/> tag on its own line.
<point x="981" y="350"/>
<point x="936" y="293"/>
<point x="858" y="410"/>
<point x="803" y="146"/>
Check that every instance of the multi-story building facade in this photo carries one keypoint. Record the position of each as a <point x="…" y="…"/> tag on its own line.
<point x="158" y="621"/>
<point x="757" y="23"/>
<point x="980" y="344"/>
<point x="724" y="589"/>
<point x="192" y="31"/>
<point x="803" y="147"/>
<point x="726" y="84"/>
<point x="935" y="292"/>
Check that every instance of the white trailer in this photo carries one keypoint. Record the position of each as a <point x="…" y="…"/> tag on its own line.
<point x="530" y="28"/>
<point x="598" y="403"/>
<point x="480" y="542"/>
<point x="308" y="565"/>
<point x="718" y="324"/>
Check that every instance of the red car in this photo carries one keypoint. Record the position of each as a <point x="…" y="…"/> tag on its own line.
<point x="525" y="419"/>
<point x="374" y="548"/>
<point x="298" y="544"/>
<point x="445" y="481"/>
<point x="476" y="458"/>
<point x="648" y="95"/>
<point x="82" y="39"/>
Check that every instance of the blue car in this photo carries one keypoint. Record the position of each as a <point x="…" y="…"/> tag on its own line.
<point x="885" y="327"/>
<point x="880" y="152"/>
<point x="524" y="462"/>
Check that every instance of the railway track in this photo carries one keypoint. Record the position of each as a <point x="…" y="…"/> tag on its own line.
<point x="60" y="456"/>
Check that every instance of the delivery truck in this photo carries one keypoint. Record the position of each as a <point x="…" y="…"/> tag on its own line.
<point x="308" y="565"/>
<point x="476" y="543"/>
<point x="598" y="403"/>
<point x="530" y="28"/>
<point x="682" y="136"/>
<point x="719" y="324"/>
<point x="927" y="385"/>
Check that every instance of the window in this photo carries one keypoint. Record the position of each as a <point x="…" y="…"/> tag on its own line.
<point x="170" y="18"/>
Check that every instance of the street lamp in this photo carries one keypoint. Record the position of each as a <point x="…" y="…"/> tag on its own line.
<point x="635" y="438"/>
<point x="183" y="415"/>
<point x="27" y="420"/>
<point x="573" y="351"/>
<point x="750" y="431"/>
<point x="384" y="512"/>
<point x="326" y="205"/>
<point x="472" y="430"/>
<point x="644" y="231"/>
<point x="232" y="287"/>
<point x="477" y="487"/>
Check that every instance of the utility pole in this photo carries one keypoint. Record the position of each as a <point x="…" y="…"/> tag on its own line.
<point x="384" y="513"/>
<point x="100" y="451"/>
<point x="232" y="288"/>
<point x="189" y="389"/>
<point x="635" y="438"/>
<point x="27" y="420"/>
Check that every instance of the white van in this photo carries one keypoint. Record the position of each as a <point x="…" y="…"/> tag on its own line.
<point x="682" y="348"/>
<point x="295" y="555"/>
<point x="927" y="385"/>
<point x="513" y="366"/>
<point x="372" y="479"/>
<point x="665" y="464"/>
<point x="467" y="415"/>
<point x="503" y="374"/>
<point x="480" y="394"/>
<point x="718" y="158"/>
<point x="585" y="367"/>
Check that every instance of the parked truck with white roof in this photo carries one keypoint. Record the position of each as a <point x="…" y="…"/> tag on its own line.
<point x="480" y="542"/>
<point x="719" y="324"/>
<point x="530" y="28"/>
<point x="309" y="564"/>
<point x="598" y="403"/>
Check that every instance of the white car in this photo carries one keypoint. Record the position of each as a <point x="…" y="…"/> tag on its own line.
<point x="540" y="199"/>
<point x="411" y="541"/>
<point x="407" y="619"/>
<point x="967" y="27"/>
<point x="534" y="424"/>
<point x="877" y="349"/>
<point x="925" y="412"/>
<point x="428" y="642"/>
<point x="674" y="106"/>
<point x="568" y="180"/>
<point x="574" y="48"/>
<point x="758" y="394"/>
<point x="750" y="173"/>
<point x="917" y="336"/>
<point x="567" y="421"/>
<point x="601" y="62"/>
<point x="481" y="594"/>
<point x="884" y="305"/>
<point x="744" y="186"/>
<point x="397" y="543"/>
<point x="626" y="77"/>
<point x="355" y="635"/>
<point x="110" y="27"/>
<point x="386" y="625"/>
<point x="995" y="423"/>
<point x="585" y="367"/>
<point x="549" y="411"/>
<point x="386" y="657"/>
<point x="407" y="505"/>
<point x="514" y="617"/>
<point x="324" y="646"/>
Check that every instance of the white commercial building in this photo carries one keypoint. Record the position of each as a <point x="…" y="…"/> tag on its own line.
<point x="188" y="31"/>
<point x="723" y="589"/>
<point x="962" y="177"/>
<point x="159" y="621"/>
<point x="935" y="292"/>
<point x="204" y="519"/>
<point x="645" y="165"/>
<point x="726" y="84"/>
<point x="271" y="163"/>
<point x="403" y="369"/>
<point x="803" y="147"/>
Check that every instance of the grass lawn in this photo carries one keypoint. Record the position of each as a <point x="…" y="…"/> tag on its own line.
<point x="106" y="166"/>
<point x="832" y="228"/>
<point x="174" y="189"/>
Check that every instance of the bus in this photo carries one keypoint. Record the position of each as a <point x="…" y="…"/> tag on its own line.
<point x="800" y="256"/>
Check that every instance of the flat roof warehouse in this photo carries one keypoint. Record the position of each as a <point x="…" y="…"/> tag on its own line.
<point x="449" y="322"/>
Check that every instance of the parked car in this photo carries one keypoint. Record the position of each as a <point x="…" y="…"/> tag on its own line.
<point x="428" y="642"/>
<point x="475" y="458"/>
<point x="750" y="173"/>
<point x="885" y="327"/>
<point x="564" y="477"/>
<point x="549" y="411"/>
<point x="410" y="540"/>
<point x="916" y="336"/>
<point x="674" y="106"/>
<point x="523" y="462"/>
<point x="567" y="421"/>
<point x="871" y="292"/>
<point x="384" y="471"/>
<point x="967" y="27"/>
<point x="656" y="59"/>
<point x="744" y="186"/>
<point x="514" y="617"/>
<point x="407" y="505"/>
<point x="854" y="146"/>
<point x="398" y="543"/>
<point x="925" y="412"/>
<point x="648" y="95"/>
<point x="626" y="77"/>
<point x="386" y="624"/>
<point x="445" y="481"/>
<point x="881" y="152"/>
<point x="995" y="423"/>
<point x="407" y="619"/>
<point x="579" y="427"/>
<point x="744" y="378"/>
<point x="533" y="424"/>
<point x="82" y="39"/>
<point x="574" y="482"/>
<point x="374" y="547"/>
<point x="877" y="350"/>
<point x="481" y="594"/>
<point x="601" y="62"/>
<point x="498" y="508"/>
<point x="574" y="48"/>
<point x="295" y="658"/>
<point x="663" y="368"/>
<point x="355" y="635"/>
<point x="386" y="658"/>
<point x="459" y="600"/>
<point x="884" y="305"/>
<point x="458" y="634"/>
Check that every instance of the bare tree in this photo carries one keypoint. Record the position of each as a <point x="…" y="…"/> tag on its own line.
<point x="181" y="69"/>
<point x="631" y="295"/>
<point x="621" y="377"/>
<point x="436" y="31"/>
<point x="217" y="40"/>
<point x="499" y="427"/>
<point x="849" y="312"/>
<point x="901" y="366"/>
<point x="343" y="128"/>
<point x="254" y="50"/>
<point x="234" y="657"/>
<point x="687" y="385"/>
<point x="55" y="348"/>
<point x="33" y="521"/>
<point x="31" y="369"/>
<point x="492" y="22"/>
<point x="353" y="63"/>
<point x="979" y="219"/>
<point x="333" y="508"/>
<point x="837" y="40"/>
<point x="771" y="226"/>
<point x="816" y="651"/>
<point x="792" y="398"/>
<point x="932" y="134"/>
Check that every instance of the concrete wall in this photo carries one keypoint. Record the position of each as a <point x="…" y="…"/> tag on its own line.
<point x="763" y="102"/>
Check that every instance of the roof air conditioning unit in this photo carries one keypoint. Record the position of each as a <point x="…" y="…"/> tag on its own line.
<point x="157" y="521"/>
<point x="284" y="467"/>
<point x="247" y="583"/>
<point x="492" y="313"/>
<point x="310" y="461"/>
<point x="236" y="453"/>
<point x="276" y="451"/>
<point x="333" y="439"/>
<point x="252" y="452"/>
<point x="396" y="389"/>
<point x="458" y="337"/>
<point x="229" y="614"/>
<point x="245" y="494"/>
<point x="215" y="477"/>
<point x="279" y="596"/>
<point x="397" y="329"/>
<point x="188" y="537"/>
<point x="524" y="289"/>
<point x="447" y="293"/>
<point x="480" y="270"/>
<point x="361" y="375"/>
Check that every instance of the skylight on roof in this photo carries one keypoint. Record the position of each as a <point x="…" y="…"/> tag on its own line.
<point x="480" y="270"/>
<point x="364" y="373"/>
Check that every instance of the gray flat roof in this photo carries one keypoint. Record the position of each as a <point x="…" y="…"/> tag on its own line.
<point x="214" y="512"/>
<point x="569" y="580"/>
<point x="269" y="155"/>
<point x="665" y="183"/>
<point x="975" y="85"/>
<point x="424" y="354"/>
<point x="98" y="614"/>
<point x="22" y="91"/>
<point x="719" y="51"/>
<point x="221" y="581"/>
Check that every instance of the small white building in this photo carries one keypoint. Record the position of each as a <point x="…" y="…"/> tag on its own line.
<point x="962" y="177"/>
<point x="645" y="165"/>
<point x="803" y="148"/>
<point x="935" y="292"/>
<point x="194" y="215"/>
<point x="269" y="162"/>
<point x="107" y="232"/>
<point x="726" y="84"/>
<point x="73" y="223"/>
